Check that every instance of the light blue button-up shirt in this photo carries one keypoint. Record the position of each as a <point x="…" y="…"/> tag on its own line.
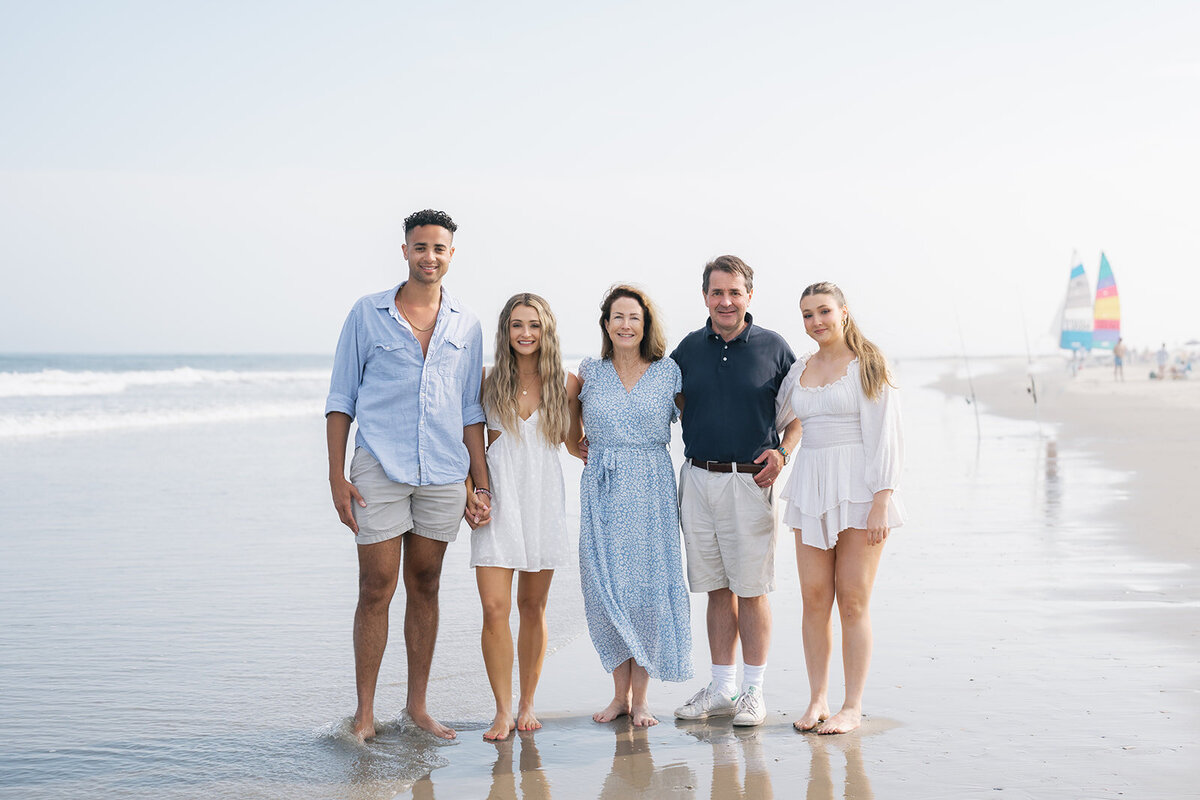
<point x="411" y="409"/>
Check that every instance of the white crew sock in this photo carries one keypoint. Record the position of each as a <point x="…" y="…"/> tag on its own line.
<point x="752" y="676"/>
<point x="724" y="679"/>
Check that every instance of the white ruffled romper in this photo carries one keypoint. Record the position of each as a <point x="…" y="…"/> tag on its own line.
<point x="851" y="447"/>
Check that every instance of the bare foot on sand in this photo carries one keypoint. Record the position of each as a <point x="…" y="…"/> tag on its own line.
<point x="814" y="714"/>
<point x="431" y="725"/>
<point x="642" y="718"/>
<point x="502" y="726"/>
<point x="364" y="730"/>
<point x="616" y="708"/>
<point x="846" y="720"/>
<point x="526" y="721"/>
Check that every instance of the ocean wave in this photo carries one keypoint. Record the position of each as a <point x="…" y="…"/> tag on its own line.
<point x="63" y="383"/>
<point x="26" y="426"/>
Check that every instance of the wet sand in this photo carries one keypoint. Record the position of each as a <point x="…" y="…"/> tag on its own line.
<point x="1036" y="628"/>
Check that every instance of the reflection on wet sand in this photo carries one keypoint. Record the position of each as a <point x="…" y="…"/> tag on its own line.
<point x="820" y="777"/>
<point x="634" y="773"/>
<point x="733" y="750"/>
<point x="1052" y="491"/>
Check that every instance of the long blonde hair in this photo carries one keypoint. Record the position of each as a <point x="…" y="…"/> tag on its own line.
<point x="873" y="369"/>
<point x="654" y="337"/>
<point x="502" y="383"/>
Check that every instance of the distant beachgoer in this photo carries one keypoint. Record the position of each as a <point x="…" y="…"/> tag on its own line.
<point x="732" y="370"/>
<point x="1162" y="357"/>
<point x="408" y="367"/>
<point x="630" y="567"/>
<point x="1119" y="360"/>
<point x="525" y="399"/>
<point x="841" y="496"/>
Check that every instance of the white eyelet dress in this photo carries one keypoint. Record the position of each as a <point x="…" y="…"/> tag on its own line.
<point x="851" y="447"/>
<point x="528" y="531"/>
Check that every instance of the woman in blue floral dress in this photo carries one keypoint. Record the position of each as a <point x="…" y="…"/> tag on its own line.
<point x="637" y="605"/>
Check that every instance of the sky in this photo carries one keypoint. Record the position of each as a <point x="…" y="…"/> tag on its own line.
<point x="226" y="177"/>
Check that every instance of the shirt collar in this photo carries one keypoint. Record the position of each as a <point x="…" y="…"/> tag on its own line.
<point x="389" y="299"/>
<point x="742" y="337"/>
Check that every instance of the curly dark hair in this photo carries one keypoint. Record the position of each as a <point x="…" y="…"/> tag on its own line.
<point x="428" y="217"/>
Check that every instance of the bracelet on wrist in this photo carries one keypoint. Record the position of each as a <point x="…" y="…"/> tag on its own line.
<point x="481" y="490"/>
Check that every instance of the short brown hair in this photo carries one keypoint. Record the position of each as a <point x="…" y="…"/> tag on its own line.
<point x="731" y="264"/>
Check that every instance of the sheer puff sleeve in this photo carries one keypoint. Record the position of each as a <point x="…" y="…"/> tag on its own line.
<point x="882" y="438"/>
<point x="785" y="413"/>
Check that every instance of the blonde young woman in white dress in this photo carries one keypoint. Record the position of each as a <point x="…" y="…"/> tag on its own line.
<point x="524" y="397"/>
<point x="841" y="496"/>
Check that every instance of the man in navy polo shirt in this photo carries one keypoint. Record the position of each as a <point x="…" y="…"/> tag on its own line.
<point x="732" y="371"/>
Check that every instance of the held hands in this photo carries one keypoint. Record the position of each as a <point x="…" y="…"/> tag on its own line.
<point x="478" y="511"/>
<point x="773" y="460"/>
<point x="344" y="495"/>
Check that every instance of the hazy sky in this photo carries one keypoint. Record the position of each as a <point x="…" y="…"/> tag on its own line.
<point x="229" y="177"/>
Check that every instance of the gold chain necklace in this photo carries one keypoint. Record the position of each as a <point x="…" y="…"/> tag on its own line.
<point x="408" y="319"/>
<point x="524" y="391"/>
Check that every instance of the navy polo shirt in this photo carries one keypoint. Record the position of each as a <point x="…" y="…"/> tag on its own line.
<point x="729" y="390"/>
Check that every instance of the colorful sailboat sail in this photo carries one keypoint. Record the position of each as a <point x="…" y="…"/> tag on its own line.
<point x="1077" y="312"/>
<point x="1107" y="317"/>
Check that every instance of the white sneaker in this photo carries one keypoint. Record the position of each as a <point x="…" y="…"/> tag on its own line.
<point x="707" y="703"/>
<point x="750" y="708"/>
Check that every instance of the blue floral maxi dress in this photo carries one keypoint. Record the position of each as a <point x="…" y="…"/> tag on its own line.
<point x="630" y="566"/>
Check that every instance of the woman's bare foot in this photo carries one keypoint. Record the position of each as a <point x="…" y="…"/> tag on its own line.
<point x="502" y="726"/>
<point x="642" y="718"/>
<point x="431" y="725"/>
<point x="813" y="715"/>
<point x="526" y="720"/>
<point x="846" y="720"/>
<point x="364" y="730"/>
<point x="616" y="708"/>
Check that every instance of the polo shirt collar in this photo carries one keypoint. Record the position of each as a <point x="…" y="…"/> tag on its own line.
<point x="741" y="337"/>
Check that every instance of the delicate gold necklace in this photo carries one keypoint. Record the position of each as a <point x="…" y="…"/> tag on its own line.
<point x="524" y="391"/>
<point x="404" y="314"/>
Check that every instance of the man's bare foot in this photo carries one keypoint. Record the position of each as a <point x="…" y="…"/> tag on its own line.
<point x="616" y="708"/>
<point x="642" y="718"/>
<point x="502" y="726"/>
<point x="526" y="720"/>
<point x="846" y="720"/>
<point x="364" y="730"/>
<point x="431" y="725"/>
<point x="813" y="715"/>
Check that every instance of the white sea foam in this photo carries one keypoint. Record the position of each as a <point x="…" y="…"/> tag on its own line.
<point x="63" y="383"/>
<point x="33" y="425"/>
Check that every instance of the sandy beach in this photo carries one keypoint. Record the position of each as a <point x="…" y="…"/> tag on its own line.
<point x="1050" y="650"/>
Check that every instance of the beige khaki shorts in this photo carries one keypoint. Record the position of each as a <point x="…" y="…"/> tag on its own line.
<point x="728" y="531"/>
<point x="393" y="509"/>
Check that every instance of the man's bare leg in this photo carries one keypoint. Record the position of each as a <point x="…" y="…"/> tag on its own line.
<point x="378" y="572"/>
<point x="722" y="619"/>
<point x="754" y="626"/>
<point x="422" y="579"/>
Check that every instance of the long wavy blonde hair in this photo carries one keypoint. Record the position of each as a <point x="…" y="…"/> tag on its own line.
<point x="873" y="369"/>
<point x="502" y="383"/>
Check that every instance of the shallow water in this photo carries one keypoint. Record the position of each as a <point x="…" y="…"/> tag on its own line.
<point x="175" y="607"/>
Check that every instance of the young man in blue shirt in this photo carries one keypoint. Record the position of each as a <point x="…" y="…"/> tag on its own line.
<point x="407" y="367"/>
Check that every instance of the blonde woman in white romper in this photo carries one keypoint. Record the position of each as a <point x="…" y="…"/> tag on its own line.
<point x="841" y="496"/>
<point x="524" y="397"/>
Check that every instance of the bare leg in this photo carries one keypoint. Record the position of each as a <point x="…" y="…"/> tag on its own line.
<point x="639" y="685"/>
<point x="495" y="594"/>
<point x="816" y="568"/>
<point x="622" y="700"/>
<point x="722" y="618"/>
<point x="422" y="579"/>
<point x="533" y="589"/>
<point x="754" y="625"/>
<point x="378" y="574"/>
<point x="857" y="563"/>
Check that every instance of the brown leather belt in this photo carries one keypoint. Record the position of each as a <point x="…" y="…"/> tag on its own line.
<point x="725" y="466"/>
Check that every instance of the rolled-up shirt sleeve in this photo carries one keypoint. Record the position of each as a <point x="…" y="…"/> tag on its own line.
<point x="472" y="408"/>
<point x="347" y="367"/>
<point x="882" y="439"/>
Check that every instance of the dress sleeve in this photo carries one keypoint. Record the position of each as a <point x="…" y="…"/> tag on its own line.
<point x="585" y="374"/>
<point x="785" y="413"/>
<point x="882" y="438"/>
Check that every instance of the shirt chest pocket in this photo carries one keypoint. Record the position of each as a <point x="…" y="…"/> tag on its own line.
<point x="390" y="360"/>
<point x="452" y="357"/>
